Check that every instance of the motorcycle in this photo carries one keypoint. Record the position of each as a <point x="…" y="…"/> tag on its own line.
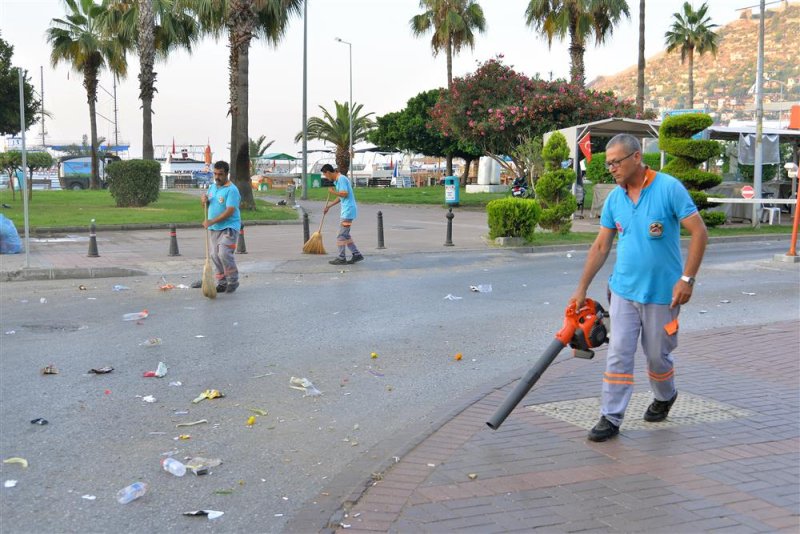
<point x="520" y="188"/>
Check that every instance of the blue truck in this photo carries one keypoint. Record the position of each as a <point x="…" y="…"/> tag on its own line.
<point x="75" y="172"/>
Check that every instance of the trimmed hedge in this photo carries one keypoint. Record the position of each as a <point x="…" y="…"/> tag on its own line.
<point x="553" y="187"/>
<point x="513" y="217"/>
<point x="596" y="169"/>
<point x="134" y="183"/>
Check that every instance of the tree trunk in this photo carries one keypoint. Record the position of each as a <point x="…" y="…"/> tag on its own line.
<point x="90" y="83"/>
<point x="691" y="78"/>
<point x="449" y="158"/>
<point x="241" y="161"/>
<point x="576" y="51"/>
<point x="342" y="164"/>
<point x="640" y="70"/>
<point x="465" y="175"/>
<point x="147" y="77"/>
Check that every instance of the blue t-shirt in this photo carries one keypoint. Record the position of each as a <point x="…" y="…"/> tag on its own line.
<point x="220" y="198"/>
<point x="349" y="208"/>
<point x="648" y="247"/>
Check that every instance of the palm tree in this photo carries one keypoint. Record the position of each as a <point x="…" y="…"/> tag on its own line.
<point x="453" y="23"/>
<point x="692" y="32"/>
<point x="336" y="130"/>
<point x="257" y="149"/>
<point x="157" y="27"/>
<point x="78" y="39"/>
<point x="640" y="69"/>
<point x="243" y="20"/>
<point x="578" y="19"/>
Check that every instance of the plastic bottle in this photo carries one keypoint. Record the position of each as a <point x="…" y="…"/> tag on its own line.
<point x="135" y="316"/>
<point x="171" y="465"/>
<point x="131" y="493"/>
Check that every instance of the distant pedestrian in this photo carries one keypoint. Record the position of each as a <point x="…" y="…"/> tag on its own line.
<point x="649" y="281"/>
<point x="344" y="194"/>
<point x="224" y="222"/>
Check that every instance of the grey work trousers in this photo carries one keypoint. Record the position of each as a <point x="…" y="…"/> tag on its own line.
<point x="223" y="245"/>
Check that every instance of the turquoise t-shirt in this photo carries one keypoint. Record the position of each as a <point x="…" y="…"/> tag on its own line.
<point x="220" y="198"/>
<point x="349" y="208"/>
<point x="648" y="247"/>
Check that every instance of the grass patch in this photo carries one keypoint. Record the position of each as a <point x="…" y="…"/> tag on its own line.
<point x="78" y="208"/>
<point x="541" y="238"/>
<point x="433" y="195"/>
<point x="745" y="229"/>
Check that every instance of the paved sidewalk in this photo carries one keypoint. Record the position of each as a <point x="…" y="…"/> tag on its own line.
<point x="727" y="458"/>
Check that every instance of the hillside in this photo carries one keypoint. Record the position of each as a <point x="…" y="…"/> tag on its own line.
<point x="722" y="82"/>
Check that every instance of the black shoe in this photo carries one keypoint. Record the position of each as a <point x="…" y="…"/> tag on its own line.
<point x="221" y="288"/>
<point x="356" y="258"/>
<point x="603" y="430"/>
<point x="658" y="410"/>
<point x="197" y="284"/>
<point x="338" y="261"/>
<point x="232" y="287"/>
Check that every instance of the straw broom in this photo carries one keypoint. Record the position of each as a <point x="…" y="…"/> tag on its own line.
<point x="209" y="285"/>
<point x="314" y="244"/>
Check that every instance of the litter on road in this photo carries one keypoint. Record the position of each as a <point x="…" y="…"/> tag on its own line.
<point x="211" y="514"/>
<point x="50" y="370"/>
<point x="193" y="423"/>
<point x="39" y="421"/>
<point x="10" y="483"/>
<point x="101" y="370"/>
<point x="136" y="316"/>
<point x="16" y="460"/>
<point x="160" y="371"/>
<point x="452" y="297"/>
<point x="200" y="466"/>
<point x="304" y="384"/>
<point x="151" y="342"/>
<point x="481" y="288"/>
<point x="208" y="394"/>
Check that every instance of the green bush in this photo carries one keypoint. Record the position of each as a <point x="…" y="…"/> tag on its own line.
<point x="598" y="174"/>
<point x="134" y="183"/>
<point x="713" y="218"/>
<point x="513" y="217"/>
<point x="553" y="187"/>
<point x="768" y="172"/>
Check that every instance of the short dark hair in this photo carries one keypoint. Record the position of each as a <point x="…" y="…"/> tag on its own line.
<point x="327" y="168"/>
<point x="628" y="141"/>
<point x="222" y="165"/>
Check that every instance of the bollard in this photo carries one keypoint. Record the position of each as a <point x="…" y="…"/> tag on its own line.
<point x="173" y="241"/>
<point x="306" y="235"/>
<point x="241" y="248"/>
<point x="380" y="231"/>
<point x="449" y="241"/>
<point x="93" y="241"/>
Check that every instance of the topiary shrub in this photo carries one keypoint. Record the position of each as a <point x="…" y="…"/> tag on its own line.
<point x="713" y="218"/>
<point x="134" y="183"/>
<point x="674" y="137"/>
<point x="768" y="172"/>
<point x="513" y="217"/>
<point x="553" y="187"/>
<point x="596" y="169"/>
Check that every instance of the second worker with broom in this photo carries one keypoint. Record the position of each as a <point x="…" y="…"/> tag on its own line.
<point x="344" y="195"/>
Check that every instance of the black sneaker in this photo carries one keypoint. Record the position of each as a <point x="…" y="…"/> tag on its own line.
<point x="232" y="287"/>
<point x="603" y="430"/>
<point x="221" y="288"/>
<point x="658" y="410"/>
<point x="356" y="258"/>
<point x="338" y="261"/>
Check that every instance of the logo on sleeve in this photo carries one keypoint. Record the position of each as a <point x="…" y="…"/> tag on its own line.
<point x="656" y="229"/>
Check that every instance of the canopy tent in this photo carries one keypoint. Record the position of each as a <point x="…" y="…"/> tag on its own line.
<point x="281" y="156"/>
<point x="604" y="128"/>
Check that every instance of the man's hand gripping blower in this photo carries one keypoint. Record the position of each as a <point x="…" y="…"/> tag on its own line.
<point x="583" y="330"/>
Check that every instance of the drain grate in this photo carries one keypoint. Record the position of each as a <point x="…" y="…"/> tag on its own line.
<point x="688" y="410"/>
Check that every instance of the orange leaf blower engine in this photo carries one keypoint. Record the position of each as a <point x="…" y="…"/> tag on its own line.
<point x="583" y="330"/>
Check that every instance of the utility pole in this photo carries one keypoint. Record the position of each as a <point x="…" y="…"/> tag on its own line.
<point x="41" y="94"/>
<point x="116" y="128"/>
<point x="759" y="155"/>
<point x="304" y="174"/>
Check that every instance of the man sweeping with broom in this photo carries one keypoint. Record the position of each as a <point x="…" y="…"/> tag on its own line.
<point x="224" y="222"/>
<point x="344" y="195"/>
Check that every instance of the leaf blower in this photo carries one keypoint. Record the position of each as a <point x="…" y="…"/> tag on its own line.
<point x="583" y="330"/>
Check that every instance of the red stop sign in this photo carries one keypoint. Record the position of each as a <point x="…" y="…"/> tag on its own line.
<point x="748" y="192"/>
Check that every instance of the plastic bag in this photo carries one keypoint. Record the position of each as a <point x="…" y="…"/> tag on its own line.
<point x="10" y="242"/>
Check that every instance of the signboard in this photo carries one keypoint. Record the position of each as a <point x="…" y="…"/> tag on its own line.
<point x="450" y="193"/>
<point x="748" y="192"/>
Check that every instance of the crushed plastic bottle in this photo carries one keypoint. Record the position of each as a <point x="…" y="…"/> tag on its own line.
<point x="173" y="466"/>
<point x="135" y="316"/>
<point x="151" y="342"/>
<point x="131" y="493"/>
<point x="120" y="287"/>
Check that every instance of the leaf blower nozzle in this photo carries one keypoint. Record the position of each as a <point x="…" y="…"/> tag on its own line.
<point x="583" y="330"/>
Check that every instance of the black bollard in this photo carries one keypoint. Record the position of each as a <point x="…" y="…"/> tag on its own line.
<point x="380" y="231"/>
<point x="173" y="241"/>
<point x="449" y="241"/>
<point x="241" y="248"/>
<point x="306" y="234"/>
<point x="93" y="241"/>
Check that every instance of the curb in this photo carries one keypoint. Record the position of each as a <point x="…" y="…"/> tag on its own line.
<point x="66" y="274"/>
<point x="47" y="230"/>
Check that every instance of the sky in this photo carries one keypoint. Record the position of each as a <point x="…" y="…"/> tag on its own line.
<point x="390" y="66"/>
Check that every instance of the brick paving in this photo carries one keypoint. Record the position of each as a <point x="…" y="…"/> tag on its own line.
<point x="539" y="472"/>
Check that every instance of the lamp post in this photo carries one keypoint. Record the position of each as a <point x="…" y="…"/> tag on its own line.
<point x="350" y="106"/>
<point x="304" y="174"/>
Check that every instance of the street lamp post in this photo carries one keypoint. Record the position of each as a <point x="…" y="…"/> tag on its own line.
<point x="304" y="174"/>
<point x="350" y="106"/>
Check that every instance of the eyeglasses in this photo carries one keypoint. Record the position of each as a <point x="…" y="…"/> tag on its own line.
<point x="616" y="163"/>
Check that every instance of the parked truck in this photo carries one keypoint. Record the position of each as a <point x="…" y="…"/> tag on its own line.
<point x="75" y="172"/>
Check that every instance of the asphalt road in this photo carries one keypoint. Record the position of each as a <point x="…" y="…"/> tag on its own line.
<point x="323" y="326"/>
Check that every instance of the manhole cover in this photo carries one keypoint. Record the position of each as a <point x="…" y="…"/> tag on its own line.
<point x="688" y="410"/>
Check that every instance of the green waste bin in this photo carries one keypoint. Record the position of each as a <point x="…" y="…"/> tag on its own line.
<point x="316" y="179"/>
<point x="263" y="186"/>
<point x="451" y="190"/>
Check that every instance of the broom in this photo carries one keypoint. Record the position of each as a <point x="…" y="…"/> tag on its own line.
<point x="314" y="244"/>
<point x="209" y="285"/>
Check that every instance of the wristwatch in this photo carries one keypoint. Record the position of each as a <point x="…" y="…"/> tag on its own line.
<point x="688" y="279"/>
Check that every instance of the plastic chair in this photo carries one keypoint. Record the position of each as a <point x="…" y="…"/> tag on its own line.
<point x="768" y="214"/>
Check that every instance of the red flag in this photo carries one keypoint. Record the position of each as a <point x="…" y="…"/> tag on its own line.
<point x="173" y="145"/>
<point x="586" y="147"/>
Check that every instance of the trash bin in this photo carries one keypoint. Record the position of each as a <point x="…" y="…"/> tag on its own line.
<point x="263" y="186"/>
<point x="316" y="179"/>
<point x="451" y="191"/>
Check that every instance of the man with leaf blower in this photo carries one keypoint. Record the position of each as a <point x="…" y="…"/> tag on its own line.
<point x="649" y="282"/>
